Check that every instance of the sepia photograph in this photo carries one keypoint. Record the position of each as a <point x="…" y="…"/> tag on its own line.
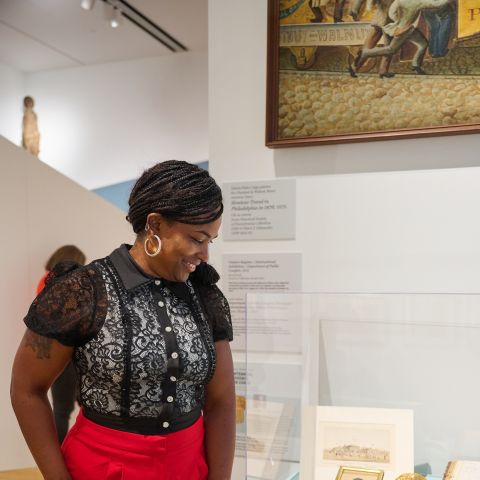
<point x="358" y="442"/>
<point x="358" y="70"/>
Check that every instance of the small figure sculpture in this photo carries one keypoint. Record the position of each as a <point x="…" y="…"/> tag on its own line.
<point x="30" y="134"/>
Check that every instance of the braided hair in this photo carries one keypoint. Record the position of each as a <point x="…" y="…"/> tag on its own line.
<point x="179" y="191"/>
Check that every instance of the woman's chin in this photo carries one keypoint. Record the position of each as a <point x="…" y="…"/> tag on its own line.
<point x="181" y="277"/>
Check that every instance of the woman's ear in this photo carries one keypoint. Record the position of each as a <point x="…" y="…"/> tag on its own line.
<point x="154" y="221"/>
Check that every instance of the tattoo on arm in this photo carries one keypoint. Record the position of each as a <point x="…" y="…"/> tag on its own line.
<point x="40" y="345"/>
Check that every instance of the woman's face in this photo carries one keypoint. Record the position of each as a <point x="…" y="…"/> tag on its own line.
<point x="184" y="247"/>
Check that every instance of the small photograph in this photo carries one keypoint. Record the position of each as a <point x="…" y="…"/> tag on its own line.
<point x="348" y="473"/>
<point x="357" y="442"/>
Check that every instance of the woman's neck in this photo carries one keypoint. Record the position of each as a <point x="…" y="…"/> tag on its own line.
<point x="137" y="252"/>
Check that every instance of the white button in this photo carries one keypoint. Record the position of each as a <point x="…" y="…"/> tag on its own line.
<point x="174" y="355"/>
<point x="170" y="399"/>
<point x="173" y="379"/>
<point x="160" y="304"/>
<point x="165" y="424"/>
<point x="158" y="282"/>
<point x="168" y="329"/>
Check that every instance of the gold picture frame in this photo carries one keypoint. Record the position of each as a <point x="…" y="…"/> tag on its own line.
<point x="351" y="473"/>
<point x="325" y="82"/>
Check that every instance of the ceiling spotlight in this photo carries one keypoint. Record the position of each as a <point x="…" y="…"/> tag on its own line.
<point x="87" y="4"/>
<point x="115" y="11"/>
<point x="116" y="18"/>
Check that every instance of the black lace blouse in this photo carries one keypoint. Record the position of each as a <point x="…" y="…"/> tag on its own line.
<point x="143" y="346"/>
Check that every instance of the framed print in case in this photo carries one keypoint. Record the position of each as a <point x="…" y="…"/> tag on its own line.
<point x="375" y="439"/>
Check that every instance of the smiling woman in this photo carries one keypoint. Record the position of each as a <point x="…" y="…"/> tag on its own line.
<point x="148" y="332"/>
<point x="181" y="247"/>
<point x="174" y="220"/>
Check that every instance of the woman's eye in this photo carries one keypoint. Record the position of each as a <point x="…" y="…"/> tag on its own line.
<point x="201" y="242"/>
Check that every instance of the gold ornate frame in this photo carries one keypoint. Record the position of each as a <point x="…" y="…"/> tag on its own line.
<point x="366" y="473"/>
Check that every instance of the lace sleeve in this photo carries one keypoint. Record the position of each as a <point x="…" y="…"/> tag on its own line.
<point x="218" y="312"/>
<point x="71" y="308"/>
<point x="213" y="301"/>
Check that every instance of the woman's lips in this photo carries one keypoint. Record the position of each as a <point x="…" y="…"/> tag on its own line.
<point x="190" y="266"/>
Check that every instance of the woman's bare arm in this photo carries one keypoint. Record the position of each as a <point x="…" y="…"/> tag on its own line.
<point x="219" y="416"/>
<point x="38" y="362"/>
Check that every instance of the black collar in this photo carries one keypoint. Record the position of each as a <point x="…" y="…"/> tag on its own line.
<point x="133" y="276"/>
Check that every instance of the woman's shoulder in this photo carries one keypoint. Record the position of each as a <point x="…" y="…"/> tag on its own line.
<point x="64" y="270"/>
<point x="72" y="306"/>
<point x="74" y="275"/>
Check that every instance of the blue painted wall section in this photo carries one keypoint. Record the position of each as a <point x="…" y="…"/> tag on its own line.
<point x="117" y="194"/>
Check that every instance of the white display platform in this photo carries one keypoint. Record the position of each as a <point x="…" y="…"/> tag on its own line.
<point x="416" y="352"/>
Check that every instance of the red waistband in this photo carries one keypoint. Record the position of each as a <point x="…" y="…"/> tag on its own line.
<point x="135" y="442"/>
<point x="160" y="425"/>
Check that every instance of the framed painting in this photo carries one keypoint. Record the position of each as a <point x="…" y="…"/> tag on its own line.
<point x="359" y="70"/>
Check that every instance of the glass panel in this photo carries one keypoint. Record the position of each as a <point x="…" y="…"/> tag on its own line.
<point x="408" y="351"/>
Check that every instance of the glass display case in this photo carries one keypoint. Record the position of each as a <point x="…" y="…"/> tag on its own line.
<point x="395" y="352"/>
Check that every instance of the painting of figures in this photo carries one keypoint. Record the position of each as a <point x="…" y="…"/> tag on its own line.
<point x="356" y="70"/>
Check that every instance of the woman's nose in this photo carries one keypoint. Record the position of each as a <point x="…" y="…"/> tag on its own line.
<point x="203" y="253"/>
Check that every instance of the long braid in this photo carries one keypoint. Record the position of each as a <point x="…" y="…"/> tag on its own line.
<point x="178" y="190"/>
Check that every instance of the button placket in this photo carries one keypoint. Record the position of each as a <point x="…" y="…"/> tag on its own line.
<point x="169" y="388"/>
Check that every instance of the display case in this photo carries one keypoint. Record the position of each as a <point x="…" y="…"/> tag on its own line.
<point x="401" y="368"/>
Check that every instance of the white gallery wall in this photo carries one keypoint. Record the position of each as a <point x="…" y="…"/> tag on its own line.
<point x="104" y="124"/>
<point x="12" y="87"/>
<point x="376" y="216"/>
<point x="41" y="210"/>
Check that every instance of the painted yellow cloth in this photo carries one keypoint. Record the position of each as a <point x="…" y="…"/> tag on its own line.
<point x="468" y="18"/>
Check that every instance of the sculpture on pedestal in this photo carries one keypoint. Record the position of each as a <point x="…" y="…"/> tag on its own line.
<point x="30" y="133"/>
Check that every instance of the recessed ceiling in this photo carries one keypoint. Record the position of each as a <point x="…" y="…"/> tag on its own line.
<point x="40" y="35"/>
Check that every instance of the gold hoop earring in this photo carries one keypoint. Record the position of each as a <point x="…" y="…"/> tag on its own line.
<point x="157" y="251"/>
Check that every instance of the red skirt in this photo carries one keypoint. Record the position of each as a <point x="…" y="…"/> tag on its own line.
<point x="94" y="452"/>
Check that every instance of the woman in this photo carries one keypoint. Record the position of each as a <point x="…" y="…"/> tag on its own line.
<point x="66" y="253"/>
<point x="148" y="332"/>
<point x="63" y="389"/>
